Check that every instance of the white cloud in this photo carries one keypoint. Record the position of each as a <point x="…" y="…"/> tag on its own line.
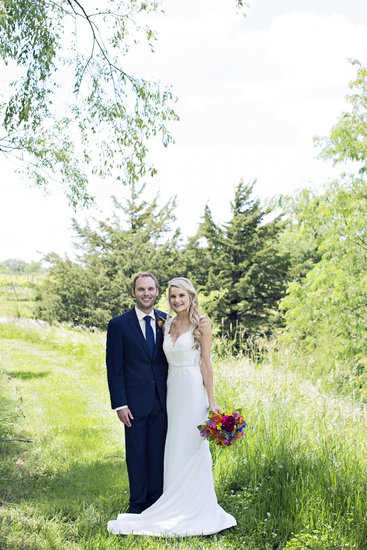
<point x="250" y="100"/>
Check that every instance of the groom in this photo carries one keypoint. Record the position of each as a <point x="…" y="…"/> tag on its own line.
<point x="137" y="374"/>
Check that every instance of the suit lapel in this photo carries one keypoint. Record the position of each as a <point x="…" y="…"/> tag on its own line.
<point x="134" y="322"/>
<point x="158" y="333"/>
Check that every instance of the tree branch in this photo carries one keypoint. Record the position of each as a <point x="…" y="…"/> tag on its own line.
<point x="96" y="40"/>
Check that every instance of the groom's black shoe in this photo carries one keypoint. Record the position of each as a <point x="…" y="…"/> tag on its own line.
<point x="135" y="509"/>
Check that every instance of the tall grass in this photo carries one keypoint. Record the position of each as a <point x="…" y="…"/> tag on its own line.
<point x="303" y="461"/>
<point x="296" y="481"/>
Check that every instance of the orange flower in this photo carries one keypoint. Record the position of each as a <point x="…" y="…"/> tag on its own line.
<point x="217" y="418"/>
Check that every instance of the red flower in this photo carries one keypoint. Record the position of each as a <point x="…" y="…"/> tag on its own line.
<point x="240" y="420"/>
<point x="228" y="423"/>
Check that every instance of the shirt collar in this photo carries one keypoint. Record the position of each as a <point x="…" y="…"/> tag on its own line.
<point x="141" y="314"/>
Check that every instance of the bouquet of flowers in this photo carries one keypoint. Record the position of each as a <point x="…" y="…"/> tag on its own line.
<point x="223" y="429"/>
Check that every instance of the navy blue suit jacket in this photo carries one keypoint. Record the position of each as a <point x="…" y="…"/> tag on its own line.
<point x="132" y="374"/>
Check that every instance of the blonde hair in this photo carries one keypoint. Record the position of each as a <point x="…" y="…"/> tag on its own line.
<point x="194" y="312"/>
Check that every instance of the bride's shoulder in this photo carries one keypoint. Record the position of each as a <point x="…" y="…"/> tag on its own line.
<point x="167" y="324"/>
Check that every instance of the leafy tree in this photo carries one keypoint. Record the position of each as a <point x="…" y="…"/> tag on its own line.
<point x="242" y="263"/>
<point x="72" y="103"/>
<point x="33" y="267"/>
<point x="67" y="295"/>
<point x="301" y="248"/>
<point x="98" y="286"/>
<point x="347" y="141"/>
<point x="327" y="310"/>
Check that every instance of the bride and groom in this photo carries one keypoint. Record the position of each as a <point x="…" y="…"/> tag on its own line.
<point x="159" y="369"/>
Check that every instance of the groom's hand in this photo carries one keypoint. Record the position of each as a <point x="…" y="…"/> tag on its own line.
<point x="125" y="416"/>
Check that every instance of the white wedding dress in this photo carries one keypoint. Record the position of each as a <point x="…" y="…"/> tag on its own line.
<point x="189" y="504"/>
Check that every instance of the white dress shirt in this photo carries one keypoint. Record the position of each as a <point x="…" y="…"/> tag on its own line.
<point x="141" y="314"/>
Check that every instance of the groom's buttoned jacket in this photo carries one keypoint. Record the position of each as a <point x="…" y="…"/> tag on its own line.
<point x="133" y="375"/>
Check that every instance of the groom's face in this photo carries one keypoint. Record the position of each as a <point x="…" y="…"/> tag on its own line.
<point x="145" y="293"/>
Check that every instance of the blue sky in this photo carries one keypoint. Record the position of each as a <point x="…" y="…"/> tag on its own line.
<point x="253" y="91"/>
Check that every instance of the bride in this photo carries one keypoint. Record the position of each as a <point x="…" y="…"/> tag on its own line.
<point x="189" y="504"/>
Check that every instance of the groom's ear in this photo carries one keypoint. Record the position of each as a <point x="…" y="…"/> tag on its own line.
<point x="133" y="292"/>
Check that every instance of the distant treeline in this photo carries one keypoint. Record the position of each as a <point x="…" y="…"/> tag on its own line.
<point x="15" y="266"/>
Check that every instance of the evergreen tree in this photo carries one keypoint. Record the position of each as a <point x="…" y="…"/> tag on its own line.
<point x="98" y="286"/>
<point x="241" y="261"/>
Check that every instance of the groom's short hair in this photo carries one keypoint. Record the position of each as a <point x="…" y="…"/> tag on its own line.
<point x="144" y="274"/>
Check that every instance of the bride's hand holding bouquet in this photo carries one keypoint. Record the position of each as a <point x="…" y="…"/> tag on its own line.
<point x="214" y="408"/>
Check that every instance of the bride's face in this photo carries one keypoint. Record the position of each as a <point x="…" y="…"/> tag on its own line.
<point x="179" y="299"/>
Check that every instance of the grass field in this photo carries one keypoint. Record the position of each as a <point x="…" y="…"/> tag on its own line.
<point x="17" y="293"/>
<point x="296" y="481"/>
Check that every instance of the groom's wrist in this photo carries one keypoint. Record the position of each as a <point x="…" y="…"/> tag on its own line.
<point x="122" y="407"/>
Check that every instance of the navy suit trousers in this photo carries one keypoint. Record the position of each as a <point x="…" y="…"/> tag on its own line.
<point x="144" y="444"/>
